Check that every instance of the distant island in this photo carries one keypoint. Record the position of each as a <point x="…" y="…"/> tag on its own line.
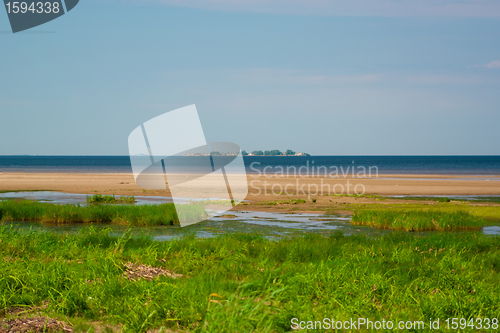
<point x="274" y="152"/>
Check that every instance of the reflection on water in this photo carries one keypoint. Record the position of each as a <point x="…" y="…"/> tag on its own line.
<point x="272" y="225"/>
<point x="268" y="224"/>
<point x="493" y="230"/>
<point x="73" y="199"/>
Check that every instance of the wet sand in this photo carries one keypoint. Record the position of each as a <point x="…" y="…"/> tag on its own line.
<point x="262" y="189"/>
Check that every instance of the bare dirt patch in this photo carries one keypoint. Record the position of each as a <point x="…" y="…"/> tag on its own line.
<point x="34" y="325"/>
<point x="135" y="272"/>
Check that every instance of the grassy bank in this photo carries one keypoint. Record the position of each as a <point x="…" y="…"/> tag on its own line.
<point x="417" y="220"/>
<point x="164" y="214"/>
<point x="487" y="212"/>
<point x="244" y="282"/>
<point x="109" y="199"/>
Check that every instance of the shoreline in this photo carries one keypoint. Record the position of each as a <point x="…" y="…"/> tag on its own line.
<point x="410" y="184"/>
<point x="263" y="190"/>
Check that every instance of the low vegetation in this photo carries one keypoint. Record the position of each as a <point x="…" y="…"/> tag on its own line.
<point x="489" y="213"/>
<point x="417" y="220"/>
<point x="282" y="202"/>
<point x="164" y="214"/>
<point x="109" y="199"/>
<point x="244" y="283"/>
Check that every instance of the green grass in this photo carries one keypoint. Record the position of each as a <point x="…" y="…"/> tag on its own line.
<point x="109" y="199"/>
<point x="282" y="202"/>
<point x="417" y="220"/>
<point x="26" y="210"/>
<point x="417" y="216"/>
<point x="245" y="283"/>
<point x="486" y="212"/>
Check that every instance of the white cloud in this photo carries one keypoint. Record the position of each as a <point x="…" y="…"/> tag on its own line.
<point x="453" y="8"/>
<point x="493" y="65"/>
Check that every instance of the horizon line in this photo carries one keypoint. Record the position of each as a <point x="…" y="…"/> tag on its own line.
<point x="310" y="155"/>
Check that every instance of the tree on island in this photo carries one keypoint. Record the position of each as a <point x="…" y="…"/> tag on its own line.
<point x="257" y="153"/>
<point x="244" y="153"/>
<point x="289" y="152"/>
<point x="273" y="152"/>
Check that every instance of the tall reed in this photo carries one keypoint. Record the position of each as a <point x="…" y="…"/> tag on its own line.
<point x="417" y="220"/>
<point x="164" y="214"/>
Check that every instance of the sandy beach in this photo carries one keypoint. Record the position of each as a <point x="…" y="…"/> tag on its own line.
<point x="262" y="189"/>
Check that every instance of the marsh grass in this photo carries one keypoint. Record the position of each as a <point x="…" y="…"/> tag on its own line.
<point x="25" y="210"/>
<point x="110" y="199"/>
<point x="417" y="220"/>
<point x="282" y="202"/>
<point x="245" y="283"/>
<point x="489" y="213"/>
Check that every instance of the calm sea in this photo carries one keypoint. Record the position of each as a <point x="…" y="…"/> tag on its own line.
<point x="443" y="165"/>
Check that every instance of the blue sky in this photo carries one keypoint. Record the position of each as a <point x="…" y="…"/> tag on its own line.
<point x="326" y="77"/>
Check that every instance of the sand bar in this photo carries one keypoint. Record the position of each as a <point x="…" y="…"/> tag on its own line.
<point x="260" y="188"/>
